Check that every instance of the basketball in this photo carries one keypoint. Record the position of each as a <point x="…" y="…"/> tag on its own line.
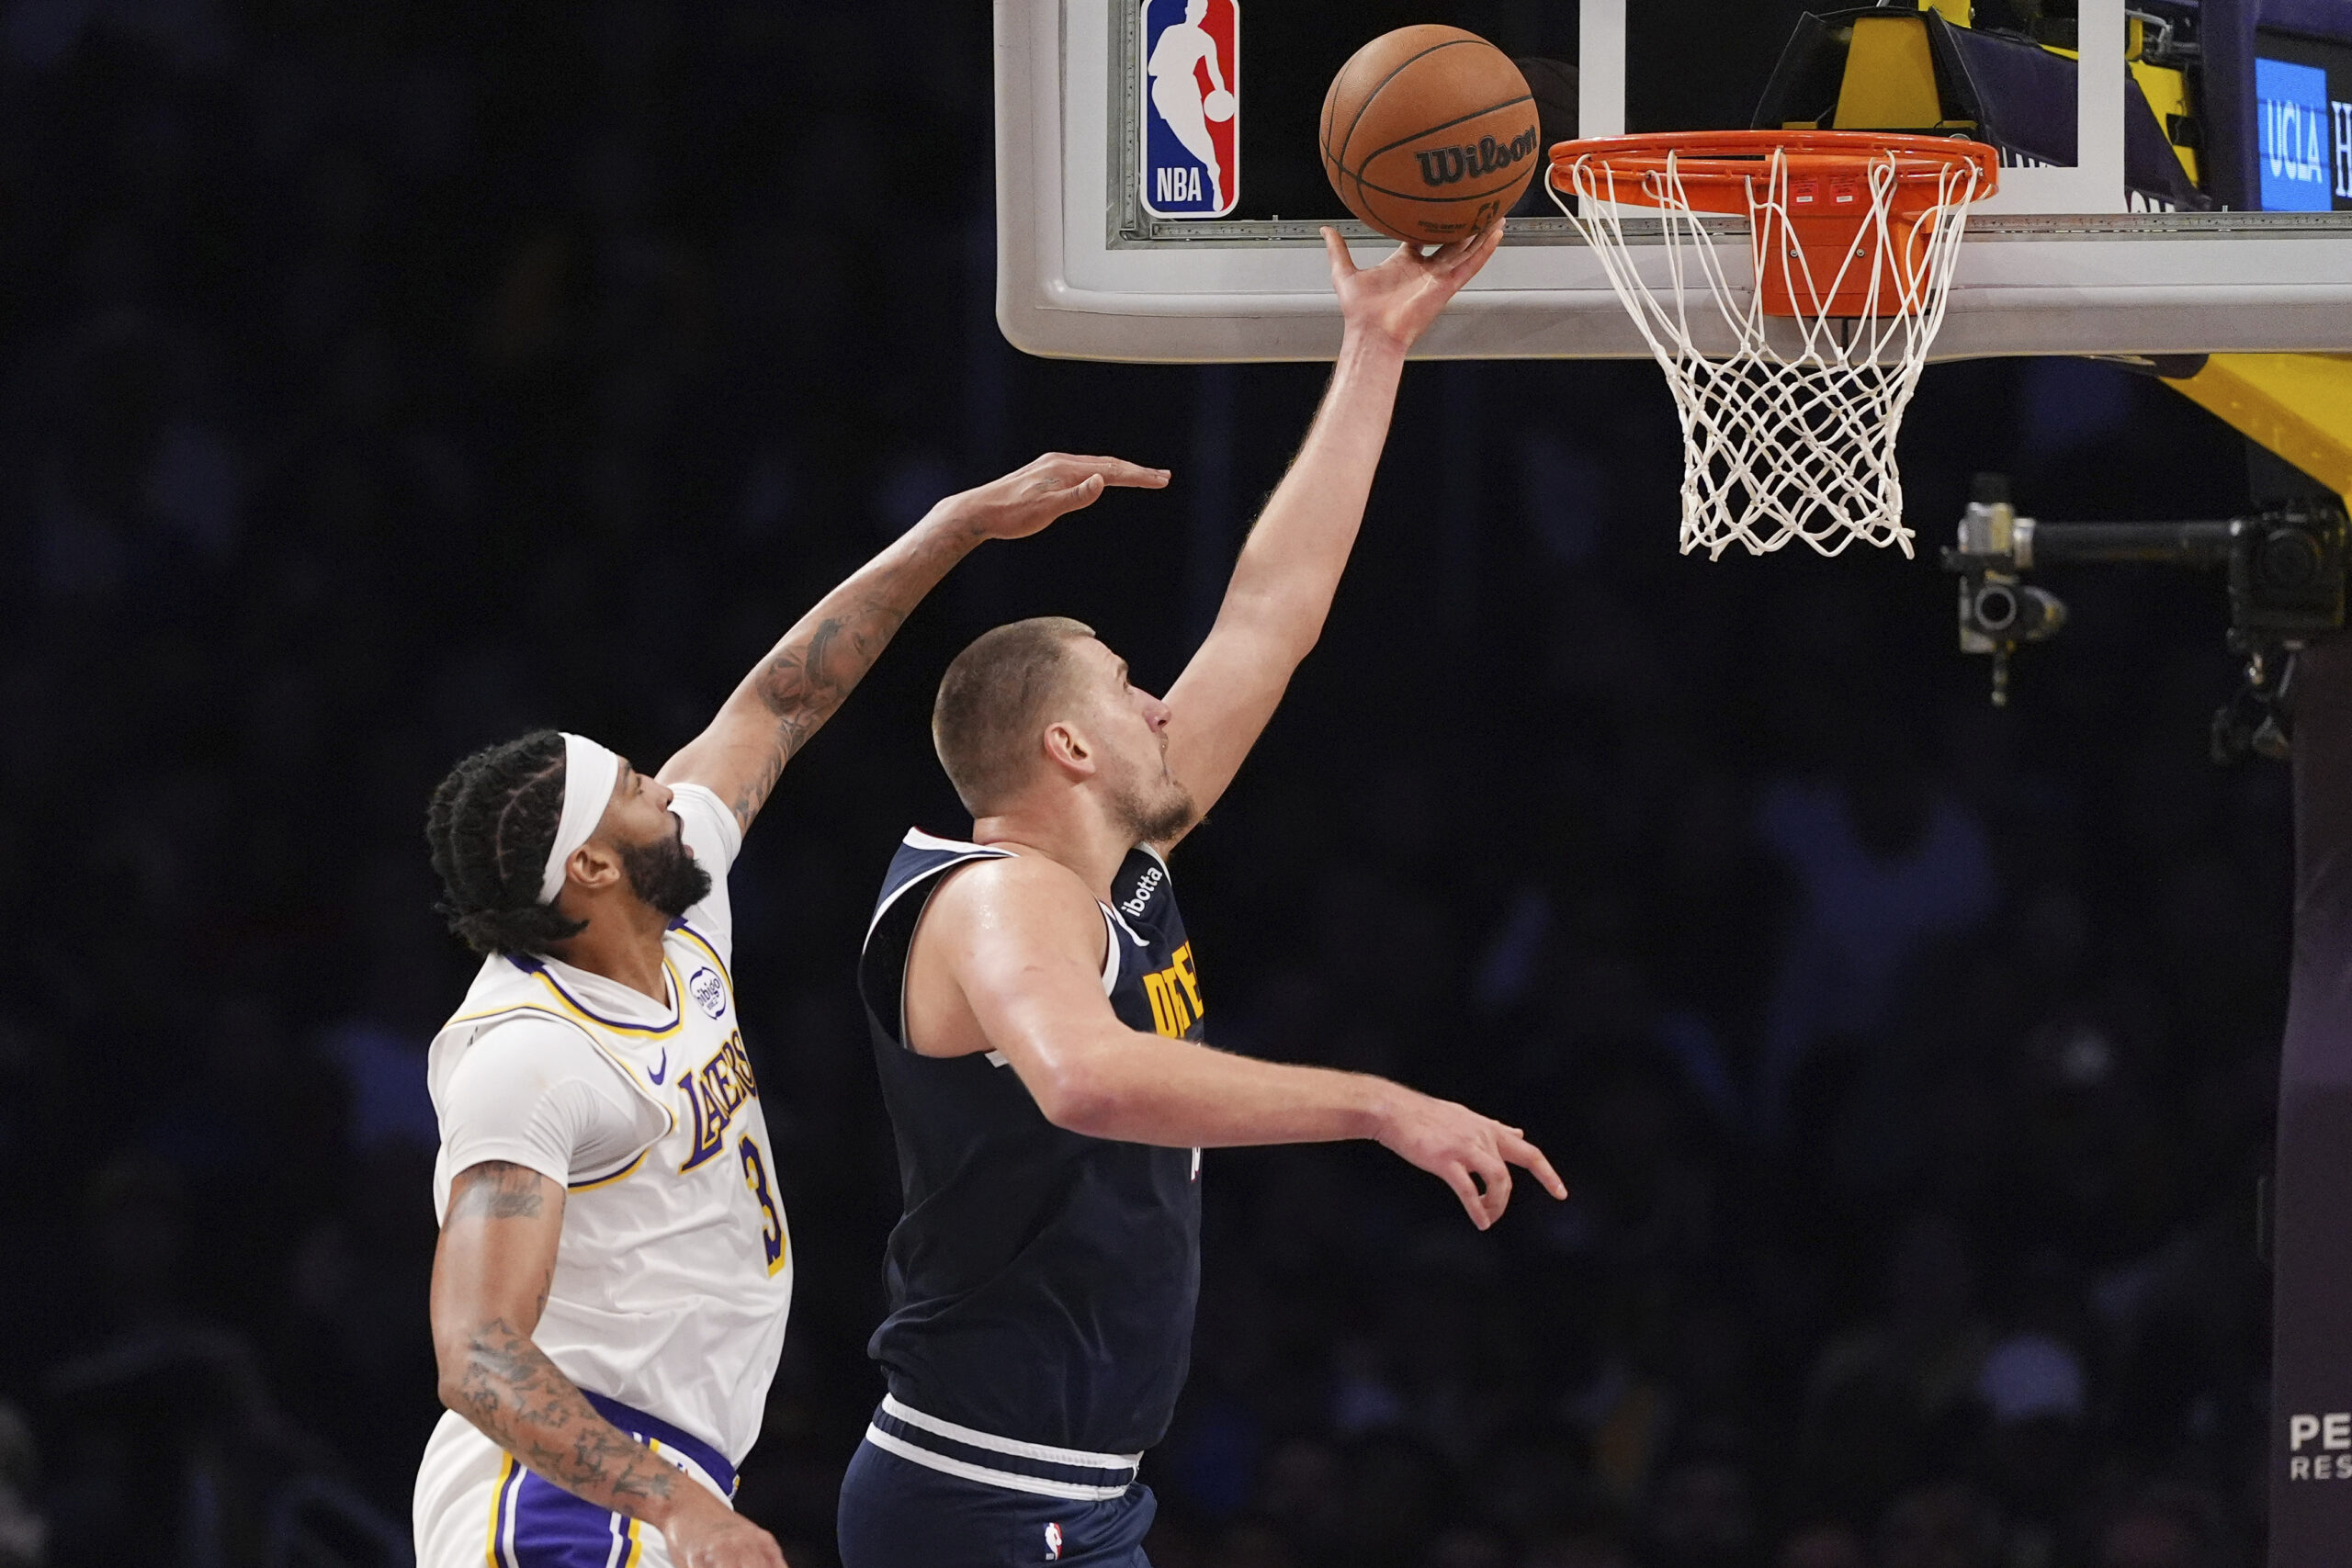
<point x="1430" y="134"/>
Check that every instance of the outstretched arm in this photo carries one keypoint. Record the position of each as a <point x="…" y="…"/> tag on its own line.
<point x="1022" y="939"/>
<point x="793" y="691"/>
<point x="490" y="1275"/>
<point x="1282" y="584"/>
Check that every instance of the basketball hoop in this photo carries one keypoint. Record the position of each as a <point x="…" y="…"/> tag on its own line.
<point x="1788" y="416"/>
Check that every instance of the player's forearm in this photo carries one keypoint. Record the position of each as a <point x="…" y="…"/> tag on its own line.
<point x="1175" y="1094"/>
<point x="1290" y="568"/>
<point x="506" y="1386"/>
<point x="802" y="681"/>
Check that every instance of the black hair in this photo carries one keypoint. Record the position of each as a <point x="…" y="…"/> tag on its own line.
<point x="490" y="827"/>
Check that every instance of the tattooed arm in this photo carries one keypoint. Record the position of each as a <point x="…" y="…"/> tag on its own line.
<point x="794" y="690"/>
<point x="491" y="1276"/>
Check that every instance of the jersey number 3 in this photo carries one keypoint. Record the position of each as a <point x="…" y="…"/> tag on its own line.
<point x="756" y="1177"/>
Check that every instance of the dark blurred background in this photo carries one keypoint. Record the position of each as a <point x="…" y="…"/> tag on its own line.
<point x="382" y="378"/>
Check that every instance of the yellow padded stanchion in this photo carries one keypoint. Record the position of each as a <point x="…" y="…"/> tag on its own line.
<point x="2298" y="405"/>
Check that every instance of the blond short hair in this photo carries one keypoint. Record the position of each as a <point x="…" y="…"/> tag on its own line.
<point x="992" y="701"/>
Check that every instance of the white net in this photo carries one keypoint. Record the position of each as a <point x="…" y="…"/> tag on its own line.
<point x="1789" y="433"/>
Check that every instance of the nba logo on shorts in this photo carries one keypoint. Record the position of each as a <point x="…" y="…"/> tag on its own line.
<point x="1053" y="1544"/>
<point x="1191" y="108"/>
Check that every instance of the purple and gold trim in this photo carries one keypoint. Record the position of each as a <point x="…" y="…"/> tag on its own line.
<point x="542" y="1525"/>
<point x="573" y="1005"/>
<point x="629" y="1069"/>
<point x="535" y="1524"/>
<point x="673" y="1443"/>
<point x="501" y="1550"/>
<point x="705" y="943"/>
<point x="623" y="1174"/>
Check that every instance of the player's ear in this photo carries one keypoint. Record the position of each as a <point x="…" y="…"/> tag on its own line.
<point x="1068" y="749"/>
<point x="594" y="866"/>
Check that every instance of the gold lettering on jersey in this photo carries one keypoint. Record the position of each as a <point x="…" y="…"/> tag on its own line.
<point x="1180" y="966"/>
<point x="1174" y="994"/>
<point x="715" y="1091"/>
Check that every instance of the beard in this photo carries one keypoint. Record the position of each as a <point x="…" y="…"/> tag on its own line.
<point x="666" y="875"/>
<point x="1155" y="809"/>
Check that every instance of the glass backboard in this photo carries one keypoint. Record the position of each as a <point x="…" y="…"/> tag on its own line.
<point x="2177" y="177"/>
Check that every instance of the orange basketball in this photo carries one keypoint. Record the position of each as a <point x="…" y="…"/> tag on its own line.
<point x="1430" y="133"/>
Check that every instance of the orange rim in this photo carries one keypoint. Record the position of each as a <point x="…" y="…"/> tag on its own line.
<point x="1716" y="158"/>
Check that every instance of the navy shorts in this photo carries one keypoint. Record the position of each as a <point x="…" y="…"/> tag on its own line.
<point x="897" y="1513"/>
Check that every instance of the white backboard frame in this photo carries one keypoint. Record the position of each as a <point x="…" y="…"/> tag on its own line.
<point x="2050" y="266"/>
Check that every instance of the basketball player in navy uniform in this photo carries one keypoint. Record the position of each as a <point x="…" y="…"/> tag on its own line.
<point x="1036" y="1009"/>
<point x="615" y="1269"/>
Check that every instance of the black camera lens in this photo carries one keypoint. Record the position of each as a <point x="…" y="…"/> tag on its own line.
<point x="2288" y="558"/>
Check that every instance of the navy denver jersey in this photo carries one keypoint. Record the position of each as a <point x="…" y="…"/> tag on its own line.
<point x="1042" y="1282"/>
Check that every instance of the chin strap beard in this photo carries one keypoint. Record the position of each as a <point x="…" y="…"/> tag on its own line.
<point x="666" y="876"/>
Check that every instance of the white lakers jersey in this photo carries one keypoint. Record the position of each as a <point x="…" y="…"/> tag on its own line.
<point x="673" y="1276"/>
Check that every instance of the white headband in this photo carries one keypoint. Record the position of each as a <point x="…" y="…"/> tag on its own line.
<point x="590" y="772"/>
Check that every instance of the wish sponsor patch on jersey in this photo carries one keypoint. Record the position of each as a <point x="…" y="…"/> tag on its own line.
<point x="1191" y="108"/>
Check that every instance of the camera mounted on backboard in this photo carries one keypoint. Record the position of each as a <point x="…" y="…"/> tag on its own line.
<point x="2285" y="567"/>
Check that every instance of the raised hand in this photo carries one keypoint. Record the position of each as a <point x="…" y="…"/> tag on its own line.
<point x="1024" y="501"/>
<point x="1398" y="299"/>
<point x="790" y="693"/>
<point x="1456" y="1145"/>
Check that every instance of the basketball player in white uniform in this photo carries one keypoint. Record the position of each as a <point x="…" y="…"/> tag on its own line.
<point x="615" y="1269"/>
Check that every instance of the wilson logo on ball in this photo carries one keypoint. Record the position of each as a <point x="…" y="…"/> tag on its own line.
<point x="1452" y="165"/>
<point x="1426" y="135"/>
<point x="1191" y="108"/>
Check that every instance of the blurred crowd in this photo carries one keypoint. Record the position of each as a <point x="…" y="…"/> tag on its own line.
<point x="383" y="378"/>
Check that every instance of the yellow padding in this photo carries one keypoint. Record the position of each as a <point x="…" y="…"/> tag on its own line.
<point x="2299" y="405"/>
<point x="1890" y="81"/>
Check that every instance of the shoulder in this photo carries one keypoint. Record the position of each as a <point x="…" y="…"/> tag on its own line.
<point x="1026" y="898"/>
<point x="712" y="831"/>
<point x="1023" y="879"/>
<point x="501" y="984"/>
<point x="525" y="1052"/>
<point x="919" y="856"/>
<point x="535" y="1091"/>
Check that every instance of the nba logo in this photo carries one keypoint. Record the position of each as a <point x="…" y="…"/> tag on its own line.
<point x="1053" y="1544"/>
<point x="1191" y="117"/>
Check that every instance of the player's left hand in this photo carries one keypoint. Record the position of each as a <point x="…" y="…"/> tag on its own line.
<point x="1398" y="299"/>
<point x="1027" y="499"/>
<point x="1470" y="1152"/>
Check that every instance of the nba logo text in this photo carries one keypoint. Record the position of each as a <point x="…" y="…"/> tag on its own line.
<point x="1191" y="108"/>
